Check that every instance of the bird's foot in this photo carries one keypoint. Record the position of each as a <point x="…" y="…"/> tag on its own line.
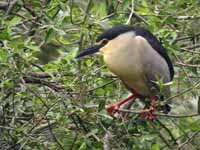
<point x="114" y="108"/>
<point x="147" y="114"/>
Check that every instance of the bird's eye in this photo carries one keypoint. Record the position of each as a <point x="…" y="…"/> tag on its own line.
<point x="104" y="41"/>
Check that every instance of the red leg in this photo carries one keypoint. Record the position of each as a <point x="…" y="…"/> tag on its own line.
<point x="147" y="114"/>
<point x="113" y="108"/>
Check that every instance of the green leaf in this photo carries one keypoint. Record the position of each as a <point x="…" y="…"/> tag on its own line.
<point x="14" y="21"/>
<point x="155" y="147"/>
<point x="49" y="35"/>
<point x="101" y="105"/>
<point x="4" y="35"/>
<point x="3" y="55"/>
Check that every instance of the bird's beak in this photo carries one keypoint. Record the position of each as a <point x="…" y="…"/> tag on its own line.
<point x="91" y="50"/>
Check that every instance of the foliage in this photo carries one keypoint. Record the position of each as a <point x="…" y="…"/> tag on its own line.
<point x="50" y="100"/>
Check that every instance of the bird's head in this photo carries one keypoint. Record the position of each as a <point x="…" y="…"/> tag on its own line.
<point x="104" y="39"/>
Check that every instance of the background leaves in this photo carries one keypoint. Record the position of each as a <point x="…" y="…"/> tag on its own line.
<point x="50" y="100"/>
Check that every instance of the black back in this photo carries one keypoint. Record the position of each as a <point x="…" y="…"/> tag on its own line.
<point x="139" y="31"/>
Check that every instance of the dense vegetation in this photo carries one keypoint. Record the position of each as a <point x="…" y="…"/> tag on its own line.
<point x="50" y="100"/>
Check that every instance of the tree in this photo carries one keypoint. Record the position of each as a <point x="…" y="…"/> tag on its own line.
<point x="50" y="100"/>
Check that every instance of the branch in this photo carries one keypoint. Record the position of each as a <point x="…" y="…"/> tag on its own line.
<point x="131" y="14"/>
<point x="162" y="136"/>
<point x="188" y="65"/>
<point x="188" y="140"/>
<point x="195" y="85"/>
<point x="185" y="38"/>
<point x="191" y="51"/>
<point x="168" y="131"/>
<point x="85" y="16"/>
<point x="3" y="5"/>
<point x="29" y="9"/>
<point x="33" y="80"/>
<point x="53" y="135"/>
<point x="192" y="47"/>
<point x="10" y="6"/>
<point x="102" y="86"/>
<point x="183" y="69"/>
<point x="136" y="15"/>
<point x="159" y="114"/>
<point x="41" y="75"/>
<point x="106" y="141"/>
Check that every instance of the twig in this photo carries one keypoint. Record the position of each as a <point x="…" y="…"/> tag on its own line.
<point x="136" y="15"/>
<point x="139" y="17"/>
<point x="161" y="136"/>
<point x="192" y="47"/>
<point x="190" y="51"/>
<point x="183" y="69"/>
<point x="81" y="123"/>
<point x="188" y="65"/>
<point x="10" y="6"/>
<point x="76" y="133"/>
<point x="108" y="16"/>
<point x="110" y="75"/>
<point x="131" y="14"/>
<point x="106" y="141"/>
<point x="188" y="140"/>
<point x="195" y="85"/>
<point x="29" y="9"/>
<point x="185" y="38"/>
<point x="182" y="129"/>
<point x="33" y="80"/>
<point x="87" y="10"/>
<point x="159" y="114"/>
<point x="168" y="131"/>
<point x="102" y="86"/>
<point x="18" y="118"/>
<point x="81" y="90"/>
<point x="85" y="16"/>
<point x="39" y="67"/>
<point x="53" y="135"/>
<point x="41" y="75"/>
<point x="4" y="5"/>
<point x="188" y="17"/>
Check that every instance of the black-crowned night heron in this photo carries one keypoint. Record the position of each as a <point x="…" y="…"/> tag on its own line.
<point x="138" y="59"/>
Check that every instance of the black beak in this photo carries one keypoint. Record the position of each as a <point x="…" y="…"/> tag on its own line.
<point x="89" y="51"/>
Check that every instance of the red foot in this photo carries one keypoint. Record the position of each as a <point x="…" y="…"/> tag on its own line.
<point x="113" y="108"/>
<point x="147" y="114"/>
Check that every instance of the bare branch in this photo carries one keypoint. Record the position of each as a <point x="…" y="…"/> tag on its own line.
<point x="194" y="86"/>
<point x="102" y="85"/>
<point x="33" y="80"/>
<point x="191" y="47"/>
<point x="188" y="65"/>
<point x="188" y="140"/>
<point x="107" y="138"/>
<point x="162" y="136"/>
<point x="159" y="114"/>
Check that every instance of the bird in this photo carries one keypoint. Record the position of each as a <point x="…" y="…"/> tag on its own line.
<point x="138" y="58"/>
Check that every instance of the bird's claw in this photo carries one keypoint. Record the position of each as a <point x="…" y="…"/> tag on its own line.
<point x="112" y="109"/>
<point x="147" y="114"/>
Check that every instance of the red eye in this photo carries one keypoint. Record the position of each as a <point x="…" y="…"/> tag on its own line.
<point x="104" y="42"/>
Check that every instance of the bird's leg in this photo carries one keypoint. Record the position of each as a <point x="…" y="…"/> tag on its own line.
<point x="113" y="108"/>
<point x="147" y="113"/>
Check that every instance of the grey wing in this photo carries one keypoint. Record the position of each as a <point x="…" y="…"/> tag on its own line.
<point x="155" y="70"/>
<point x="153" y="73"/>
